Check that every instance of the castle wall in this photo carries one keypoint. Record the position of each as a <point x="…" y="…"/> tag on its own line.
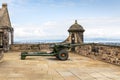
<point x="1" y="55"/>
<point x="106" y="53"/>
<point x="30" y="47"/>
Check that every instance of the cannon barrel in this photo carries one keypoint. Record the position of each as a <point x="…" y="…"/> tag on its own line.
<point x="74" y="45"/>
<point x="65" y="45"/>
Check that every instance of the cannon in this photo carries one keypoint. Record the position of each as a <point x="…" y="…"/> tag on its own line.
<point x="59" y="50"/>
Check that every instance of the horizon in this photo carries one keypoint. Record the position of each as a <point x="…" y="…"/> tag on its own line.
<point x="50" y="19"/>
<point x="97" y="40"/>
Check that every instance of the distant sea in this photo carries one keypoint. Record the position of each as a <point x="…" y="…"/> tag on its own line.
<point x="108" y="42"/>
<point x="36" y="41"/>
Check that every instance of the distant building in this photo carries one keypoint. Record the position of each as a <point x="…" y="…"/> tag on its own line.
<point x="75" y="34"/>
<point x="6" y="30"/>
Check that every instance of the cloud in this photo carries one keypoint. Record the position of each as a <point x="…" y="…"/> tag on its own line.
<point x="29" y="32"/>
<point x="47" y="30"/>
<point x="101" y="19"/>
<point x="102" y="33"/>
<point x="107" y="27"/>
<point x="101" y="27"/>
<point x="64" y="4"/>
<point x="7" y="1"/>
<point x="14" y="3"/>
<point x="94" y="28"/>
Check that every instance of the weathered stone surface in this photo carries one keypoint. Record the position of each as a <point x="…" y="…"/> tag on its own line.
<point x="75" y="34"/>
<point x="1" y="55"/>
<point x="6" y="30"/>
<point x="30" y="47"/>
<point x="49" y="68"/>
<point x="107" y="53"/>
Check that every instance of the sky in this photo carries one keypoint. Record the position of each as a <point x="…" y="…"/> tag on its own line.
<point x="50" y="19"/>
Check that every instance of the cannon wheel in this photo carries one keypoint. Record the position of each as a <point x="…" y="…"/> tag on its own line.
<point x="63" y="55"/>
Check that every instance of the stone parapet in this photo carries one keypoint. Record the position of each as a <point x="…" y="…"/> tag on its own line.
<point x="106" y="53"/>
<point x="30" y="47"/>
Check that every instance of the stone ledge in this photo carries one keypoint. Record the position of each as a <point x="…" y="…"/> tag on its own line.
<point x="106" y="53"/>
<point x="30" y="47"/>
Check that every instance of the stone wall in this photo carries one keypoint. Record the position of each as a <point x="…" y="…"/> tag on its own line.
<point x="107" y="53"/>
<point x="1" y="55"/>
<point x="30" y="47"/>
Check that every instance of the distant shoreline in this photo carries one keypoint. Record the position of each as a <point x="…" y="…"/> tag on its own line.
<point x="37" y="41"/>
<point x="57" y="41"/>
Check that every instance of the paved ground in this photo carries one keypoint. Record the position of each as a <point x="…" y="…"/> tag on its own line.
<point x="49" y="68"/>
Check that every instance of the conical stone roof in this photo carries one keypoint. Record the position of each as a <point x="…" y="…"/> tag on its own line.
<point x="76" y="27"/>
<point x="4" y="17"/>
